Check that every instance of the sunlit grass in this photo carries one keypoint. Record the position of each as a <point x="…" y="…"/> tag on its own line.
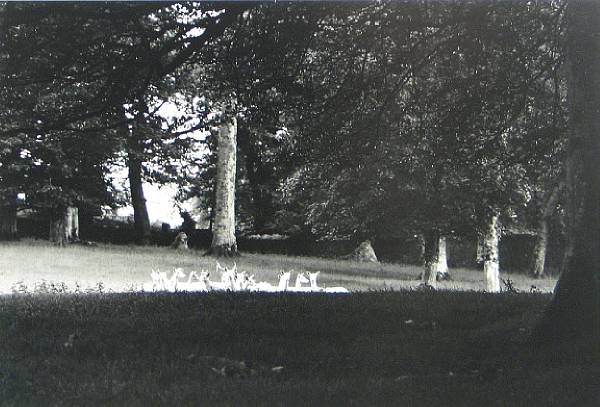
<point x="122" y="268"/>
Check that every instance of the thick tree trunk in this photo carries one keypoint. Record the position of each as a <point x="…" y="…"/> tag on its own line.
<point x="141" y="220"/>
<point x="431" y="257"/>
<point x="135" y="156"/>
<point x="442" y="266"/>
<point x="541" y="242"/>
<point x="491" y="264"/>
<point x="539" y="250"/>
<point x="8" y="218"/>
<point x="64" y="226"/>
<point x="573" y="318"/>
<point x="223" y="242"/>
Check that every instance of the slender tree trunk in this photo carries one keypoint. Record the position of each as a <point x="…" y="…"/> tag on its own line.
<point x="58" y="230"/>
<point x="224" y="242"/>
<point x="491" y="264"/>
<point x="135" y="155"/>
<point x="539" y="250"/>
<point x="64" y="226"/>
<point x="431" y="257"/>
<point x="442" y="266"/>
<point x="573" y="317"/>
<point x="73" y="223"/>
<point x="8" y="218"/>
<point x="141" y="221"/>
<point x="541" y="242"/>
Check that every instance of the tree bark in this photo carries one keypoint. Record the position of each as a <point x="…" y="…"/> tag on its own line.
<point x="431" y="257"/>
<point x="573" y="317"/>
<point x="539" y="250"/>
<point x="64" y="226"/>
<point x="8" y="218"/>
<point x="491" y="265"/>
<point x="224" y="242"/>
<point x="73" y="223"/>
<point x="541" y="242"/>
<point x="141" y="221"/>
<point x="58" y="230"/>
<point x="442" y="266"/>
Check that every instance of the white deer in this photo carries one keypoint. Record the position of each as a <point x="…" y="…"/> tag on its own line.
<point x="201" y="283"/>
<point x="315" y="286"/>
<point x="284" y="280"/>
<point x="300" y="279"/>
<point x="228" y="279"/>
<point x="313" y="280"/>
<point x="171" y="283"/>
<point x="298" y="287"/>
<point x="157" y="280"/>
<point x="342" y="290"/>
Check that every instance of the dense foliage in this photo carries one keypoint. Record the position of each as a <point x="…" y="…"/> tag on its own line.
<point x="355" y="120"/>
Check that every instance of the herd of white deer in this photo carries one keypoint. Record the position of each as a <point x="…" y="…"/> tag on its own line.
<point x="233" y="280"/>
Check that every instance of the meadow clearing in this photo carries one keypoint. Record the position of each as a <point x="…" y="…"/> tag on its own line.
<point x="125" y="268"/>
<point x="379" y="346"/>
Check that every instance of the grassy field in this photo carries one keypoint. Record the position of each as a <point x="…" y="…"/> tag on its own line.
<point x="364" y="349"/>
<point x="120" y="268"/>
<point x="373" y="347"/>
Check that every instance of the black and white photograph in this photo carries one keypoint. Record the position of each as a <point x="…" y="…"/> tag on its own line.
<point x="300" y="203"/>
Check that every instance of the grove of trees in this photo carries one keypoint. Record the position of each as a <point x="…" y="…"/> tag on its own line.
<point x="330" y="120"/>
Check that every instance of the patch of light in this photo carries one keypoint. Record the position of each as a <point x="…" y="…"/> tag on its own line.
<point x="127" y="108"/>
<point x="195" y="32"/>
<point x="25" y="153"/>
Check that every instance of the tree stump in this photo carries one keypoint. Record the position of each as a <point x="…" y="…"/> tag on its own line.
<point x="364" y="253"/>
<point x="180" y="242"/>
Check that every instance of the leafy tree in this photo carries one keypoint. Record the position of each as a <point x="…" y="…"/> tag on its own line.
<point x="415" y="126"/>
<point x="95" y="59"/>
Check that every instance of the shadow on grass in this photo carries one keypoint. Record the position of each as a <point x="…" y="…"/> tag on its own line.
<point x="242" y="349"/>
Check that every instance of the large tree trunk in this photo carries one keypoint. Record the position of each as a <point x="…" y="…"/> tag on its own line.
<point x="541" y="242"/>
<point x="573" y="317"/>
<point x="223" y="242"/>
<point x="141" y="220"/>
<point x="431" y="257"/>
<point x="442" y="266"/>
<point x="64" y="226"/>
<point x="539" y="250"/>
<point x="8" y="218"/>
<point x="491" y="264"/>
<point x="135" y="159"/>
